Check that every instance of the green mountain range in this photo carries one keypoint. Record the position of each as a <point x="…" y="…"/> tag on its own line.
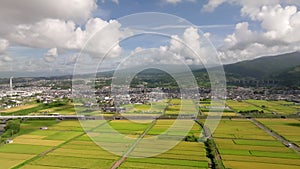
<point x="283" y="69"/>
<point x="280" y="70"/>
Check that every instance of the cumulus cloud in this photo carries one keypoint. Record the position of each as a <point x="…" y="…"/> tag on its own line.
<point x="189" y="48"/>
<point x="281" y="34"/>
<point x="280" y="29"/>
<point x="51" y="55"/>
<point x="248" y="7"/>
<point x="106" y="40"/>
<point x="5" y="61"/>
<point x="63" y="26"/>
<point x="212" y="5"/>
<point x="55" y="33"/>
<point x="177" y="1"/>
<point x="71" y="59"/>
<point x="115" y="1"/>
<point x="48" y="24"/>
<point x="66" y="25"/>
<point x="280" y="22"/>
<point x="6" y="58"/>
<point x="46" y="33"/>
<point x="26" y="12"/>
<point x="3" y="45"/>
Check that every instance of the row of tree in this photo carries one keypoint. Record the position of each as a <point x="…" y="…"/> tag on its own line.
<point x="12" y="127"/>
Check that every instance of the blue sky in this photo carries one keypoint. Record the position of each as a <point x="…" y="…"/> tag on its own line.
<point x="47" y="38"/>
<point x="191" y="11"/>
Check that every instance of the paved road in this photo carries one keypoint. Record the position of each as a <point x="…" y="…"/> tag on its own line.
<point x="277" y="136"/>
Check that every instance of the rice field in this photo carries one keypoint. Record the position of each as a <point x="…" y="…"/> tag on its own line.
<point x="178" y="106"/>
<point x="150" y="108"/>
<point x="65" y="145"/>
<point x="62" y="107"/>
<point x="67" y="109"/>
<point x="26" y="106"/>
<point x="241" y="106"/>
<point x="243" y="145"/>
<point x="185" y="155"/>
<point x="288" y="128"/>
<point x="279" y="107"/>
<point x="33" y="142"/>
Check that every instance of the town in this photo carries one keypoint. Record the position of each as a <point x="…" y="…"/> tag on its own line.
<point x="47" y="91"/>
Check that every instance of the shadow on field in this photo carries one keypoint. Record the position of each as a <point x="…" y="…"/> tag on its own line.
<point x="293" y="124"/>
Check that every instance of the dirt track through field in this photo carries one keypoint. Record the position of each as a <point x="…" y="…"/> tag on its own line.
<point x="123" y="158"/>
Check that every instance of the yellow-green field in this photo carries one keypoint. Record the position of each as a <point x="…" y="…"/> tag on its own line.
<point x="33" y="108"/>
<point x="243" y="145"/>
<point x="280" y="107"/>
<point x="275" y="107"/>
<point x="65" y="145"/>
<point x="185" y="155"/>
<point x="26" y="106"/>
<point x="66" y="109"/>
<point x="241" y="106"/>
<point x="33" y="142"/>
<point x="150" y="108"/>
<point x="178" y="106"/>
<point x="288" y="128"/>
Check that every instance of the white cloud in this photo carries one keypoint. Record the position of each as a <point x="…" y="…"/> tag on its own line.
<point x="212" y="5"/>
<point x="248" y="7"/>
<point x="193" y="47"/>
<point x="3" y="45"/>
<point x="106" y="40"/>
<point x="51" y="55"/>
<point x="177" y="1"/>
<point x="57" y="26"/>
<point x="55" y="33"/>
<point x="47" y="33"/>
<point x="280" y="22"/>
<point x="115" y="1"/>
<point x="30" y="11"/>
<point x="281" y="34"/>
<point x="280" y="29"/>
<point x="173" y="1"/>
<point x="71" y="59"/>
<point x="188" y="48"/>
<point x="6" y="58"/>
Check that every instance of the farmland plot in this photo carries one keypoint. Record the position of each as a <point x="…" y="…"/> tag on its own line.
<point x="243" y="145"/>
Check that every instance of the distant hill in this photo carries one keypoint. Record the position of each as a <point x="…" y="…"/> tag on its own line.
<point x="283" y="70"/>
<point x="264" y="67"/>
<point x="290" y="77"/>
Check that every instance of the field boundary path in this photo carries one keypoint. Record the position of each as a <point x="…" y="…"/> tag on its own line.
<point x="123" y="158"/>
<point x="51" y="149"/>
<point x="277" y="136"/>
<point x="208" y="135"/>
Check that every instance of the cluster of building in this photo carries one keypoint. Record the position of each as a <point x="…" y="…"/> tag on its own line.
<point x="240" y="93"/>
<point x="13" y="96"/>
<point x="110" y="99"/>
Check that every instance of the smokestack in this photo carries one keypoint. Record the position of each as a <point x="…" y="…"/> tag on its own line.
<point x="10" y="84"/>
